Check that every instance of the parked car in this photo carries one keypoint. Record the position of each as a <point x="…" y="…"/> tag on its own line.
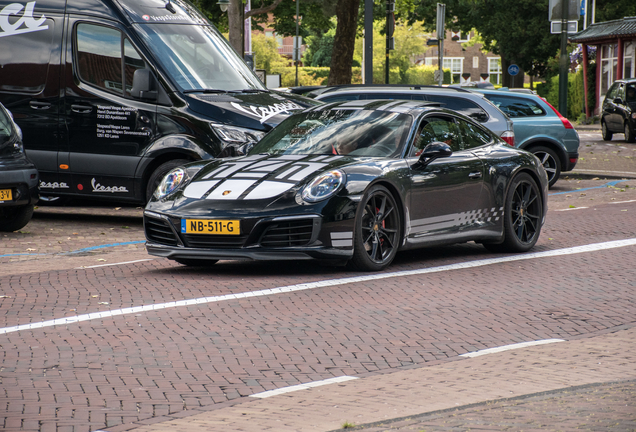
<point x="464" y="101"/>
<point x="18" y="177"/>
<point x="356" y="182"/>
<point x="619" y="110"/>
<point x="540" y="129"/>
<point x="113" y="94"/>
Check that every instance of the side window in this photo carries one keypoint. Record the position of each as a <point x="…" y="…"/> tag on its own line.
<point x="621" y="92"/>
<point x="613" y="91"/>
<point x="517" y="107"/>
<point x="132" y="62"/>
<point x="432" y="129"/>
<point x="99" y="57"/>
<point x="472" y="135"/>
<point x="464" y="106"/>
<point x="630" y="93"/>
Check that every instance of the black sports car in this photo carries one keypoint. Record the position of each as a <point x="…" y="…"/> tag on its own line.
<point x="353" y="182"/>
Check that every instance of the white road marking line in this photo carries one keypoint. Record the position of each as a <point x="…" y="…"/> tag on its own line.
<point x="113" y="264"/>
<point x="306" y="386"/>
<point x="510" y="347"/>
<point x="574" y="208"/>
<point x="319" y="284"/>
<point x="622" y="202"/>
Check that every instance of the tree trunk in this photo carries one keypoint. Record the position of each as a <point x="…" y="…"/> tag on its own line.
<point x="344" y="41"/>
<point x="235" y="25"/>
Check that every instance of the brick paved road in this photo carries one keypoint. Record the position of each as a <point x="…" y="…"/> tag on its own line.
<point x="152" y="366"/>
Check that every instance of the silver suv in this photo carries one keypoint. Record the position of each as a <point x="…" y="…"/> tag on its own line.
<point x="474" y="105"/>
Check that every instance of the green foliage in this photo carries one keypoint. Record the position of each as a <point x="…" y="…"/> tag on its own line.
<point x="266" y="54"/>
<point x="322" y="56"/>
<point x="607" y="10"/>
<point x="423" y="75"/>
<point x="309" y="76"/>
<point x="550" y="90"/>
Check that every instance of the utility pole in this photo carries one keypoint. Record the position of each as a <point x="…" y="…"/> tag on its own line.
<point x="441" y="34"/>
<point x="297" y="40"/>
<point x="390" y="41"/>
<point x="564" y="60"/>
<point x="368" y="42"/>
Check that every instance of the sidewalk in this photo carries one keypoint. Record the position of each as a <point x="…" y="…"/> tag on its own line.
<point x="604" y="159"/>
<point x="488" y="388"/>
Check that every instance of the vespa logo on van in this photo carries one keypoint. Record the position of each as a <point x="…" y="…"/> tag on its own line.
<point x="53" y="185"/>
<point x="265" y="113"/>
<point x="27" y="22"/>
<point x="112" y="189"/>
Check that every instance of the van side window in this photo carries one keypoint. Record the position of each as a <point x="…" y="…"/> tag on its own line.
<point x="99" y="57"/>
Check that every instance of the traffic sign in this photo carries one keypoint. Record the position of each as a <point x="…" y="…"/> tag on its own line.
<point x="513" y="70"/>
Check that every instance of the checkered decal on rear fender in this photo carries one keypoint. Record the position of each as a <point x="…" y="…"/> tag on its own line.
<point x="480" y="215"/>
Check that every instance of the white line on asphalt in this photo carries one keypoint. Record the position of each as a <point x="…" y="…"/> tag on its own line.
<point x="510" y="347"/>
<point x="573" y="208"/>
<point x="319" y="284"/>
<point x="113" y="264"/>
<point x="306" y="386"/>
<point x="622" y="202"/>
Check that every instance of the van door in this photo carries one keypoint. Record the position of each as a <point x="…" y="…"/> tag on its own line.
<point x="30" y="52"/>
<point x="108" y="130"/>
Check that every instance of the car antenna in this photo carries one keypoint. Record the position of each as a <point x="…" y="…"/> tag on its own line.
<point x="170" y="7"/>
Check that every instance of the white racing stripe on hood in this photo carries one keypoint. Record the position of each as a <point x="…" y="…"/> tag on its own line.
<point x="198" y="189"/>
<point x="230" y="189"/>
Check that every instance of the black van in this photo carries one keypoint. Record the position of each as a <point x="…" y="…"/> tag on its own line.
<point x="112" y="94"/>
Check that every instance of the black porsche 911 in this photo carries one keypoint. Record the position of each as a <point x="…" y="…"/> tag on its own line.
<point x="352" y="182"/>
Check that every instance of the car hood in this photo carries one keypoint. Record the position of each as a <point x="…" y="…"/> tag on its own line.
<point x="258" y="177"/>
<point x="260" y="110"/>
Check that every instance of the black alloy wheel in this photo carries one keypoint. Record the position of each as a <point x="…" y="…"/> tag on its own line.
<point x="551" y="163"/>
<point x="607" y="135"/>
<point x="522" y="216"/>
<point x="629" y="133"/>
<point x="377" y="230"/>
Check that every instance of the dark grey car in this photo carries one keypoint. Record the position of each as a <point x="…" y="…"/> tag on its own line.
<point x="619" y="110"/>
<point x="471" y="104"/>
<point x="18" y="177"/>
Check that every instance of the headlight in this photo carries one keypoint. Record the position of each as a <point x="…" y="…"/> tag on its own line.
<point x="236" y="135"/>
<point x="170" y="182"/>
<point x="323" y="186"/>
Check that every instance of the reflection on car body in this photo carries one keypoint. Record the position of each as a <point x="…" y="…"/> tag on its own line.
<point x="419" y="176"/>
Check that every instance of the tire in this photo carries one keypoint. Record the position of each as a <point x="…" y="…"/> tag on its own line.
<point x="53" y="200"/>
<point x="13" y="219"/>
<point x="192" y="262"/>
<point x="523" y="212"/>
<point x="377" y="231"/>
<point x="607" y="135"/>
<point x="159" y="173"/>
<point x="629" y="133"/>
<point x="550" y="162"/>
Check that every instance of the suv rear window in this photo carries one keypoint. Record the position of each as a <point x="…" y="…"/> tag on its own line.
<point x="517" y="107"/>
<point x="459" y="104"/>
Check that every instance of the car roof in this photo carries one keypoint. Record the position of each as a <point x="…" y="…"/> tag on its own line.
<point x="395" y="88"/>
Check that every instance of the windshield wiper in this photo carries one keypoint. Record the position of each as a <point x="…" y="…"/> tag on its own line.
<point x="254" y="91"/>
<point x="206" y="91"/>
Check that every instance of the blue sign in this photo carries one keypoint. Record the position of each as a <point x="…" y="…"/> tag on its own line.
<point x="513" y="70"/>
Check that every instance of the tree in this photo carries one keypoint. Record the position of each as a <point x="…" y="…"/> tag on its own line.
<point x="344" y="42"/>
<point x="517" y="31"/>
<point x="266" y="54"/>
<point x="607" y="10"/>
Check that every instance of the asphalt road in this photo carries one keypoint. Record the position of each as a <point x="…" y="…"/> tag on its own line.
<point x="97" y="335"/>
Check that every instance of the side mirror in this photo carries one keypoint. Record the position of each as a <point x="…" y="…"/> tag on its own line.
<point x="618" y="101"/>
<point x="432" y="151"/>
<point x="144" y="85"/>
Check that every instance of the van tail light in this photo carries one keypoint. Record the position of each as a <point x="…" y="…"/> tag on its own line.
<point x="565" y="121"/>
<point x="509" y="138"/>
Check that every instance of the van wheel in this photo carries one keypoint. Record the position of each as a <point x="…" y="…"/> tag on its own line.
<point x="53" y="200"/>
<point x="550" y="162"/>
<point x="159" y="173"/>
<point x="13" y="219"/>
<point x="629" y="133"/>
<point x="607" y="135"/>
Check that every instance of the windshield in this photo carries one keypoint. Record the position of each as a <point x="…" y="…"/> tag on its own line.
<point x="338" y="132"/>
<point x="198" y="57"/>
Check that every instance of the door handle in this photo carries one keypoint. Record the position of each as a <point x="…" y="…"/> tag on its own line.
<point x="475" y="175"/>
<point x="81" y="109"/>
<point x="40" y="105"/>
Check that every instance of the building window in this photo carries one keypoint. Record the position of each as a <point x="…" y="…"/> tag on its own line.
<point x="494" y="70"/>
<point x="628" y="60"/>
<point x="609" y="65"/>
<point x="476" y="62"/>
<point x="428" y="61"/>
<point x="455" y="64"/>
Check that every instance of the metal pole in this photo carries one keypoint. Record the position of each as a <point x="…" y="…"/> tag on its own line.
<point x="297" y="44"/>
<point x="386" y="62"/>
<point x="368" y="42"/>
<point x="441" y="17"/>
<point x="587" y="12"/>
<point x="564" y="60"/>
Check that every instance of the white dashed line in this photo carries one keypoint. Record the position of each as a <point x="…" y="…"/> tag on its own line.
<point x="622" y="202"/>
<point x="319" y="284"/>
<point x="510" y="347"/>
<point x="306" y="386"/>
<point x="113" y="264"/>
<point x="573" y="208"/>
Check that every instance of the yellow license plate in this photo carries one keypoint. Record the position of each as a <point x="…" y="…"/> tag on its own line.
<point x="5" y="195"/>
<point x="211" y="226"/>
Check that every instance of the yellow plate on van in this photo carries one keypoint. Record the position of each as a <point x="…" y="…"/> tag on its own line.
<point x="211" y="226"/>
<point x="6" y="195"/>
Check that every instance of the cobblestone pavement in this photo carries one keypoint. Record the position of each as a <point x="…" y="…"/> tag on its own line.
<point x="194" y="367"/>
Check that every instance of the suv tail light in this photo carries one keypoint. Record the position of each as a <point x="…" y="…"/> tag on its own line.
<point x="565" y="121"/>
<point x="509" y="138"/>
